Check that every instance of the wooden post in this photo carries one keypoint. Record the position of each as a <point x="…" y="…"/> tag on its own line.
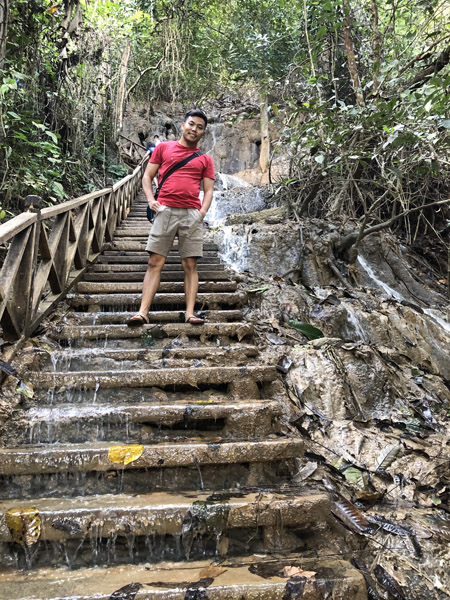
<point x="34" y="204"/>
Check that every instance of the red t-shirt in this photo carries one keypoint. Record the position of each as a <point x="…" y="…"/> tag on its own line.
<point x="182" y="188"/>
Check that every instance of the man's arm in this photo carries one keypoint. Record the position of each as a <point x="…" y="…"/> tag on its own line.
<point x="149" y="175"/>
<point x="208" y="187"/>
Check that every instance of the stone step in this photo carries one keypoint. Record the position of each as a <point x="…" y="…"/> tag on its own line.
<point x="97" y="359"/>
<point x="165" y="276"/>
<point x="164" y="287"/>
<point x="237" y="330"/>
<point x="175" y="316"/>
<point x="242" y="578"/>
<point x="141" y="268"/>
<point x="153" y="377"/>
<point x="149" y="421"/>
<point x="140" y="251"/>
<point x="163" y="514"/>
<point x="142" y="259"/>
<point x="211" y="300"/>
<point x="63" y="458"/>
<point x="121" y="244"/>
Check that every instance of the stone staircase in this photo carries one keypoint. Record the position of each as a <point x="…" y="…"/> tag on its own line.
<point x="154" y="463"/>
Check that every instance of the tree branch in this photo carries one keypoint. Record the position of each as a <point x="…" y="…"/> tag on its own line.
<point x="349" y="240"/>
<point x="142" y="73"/>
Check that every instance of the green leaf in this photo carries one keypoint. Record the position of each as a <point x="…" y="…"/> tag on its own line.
<point x="52" y="135"/>
<point x="259" y="290"/>
<point x="357" y="477"/>
<point x="311" y="332"/>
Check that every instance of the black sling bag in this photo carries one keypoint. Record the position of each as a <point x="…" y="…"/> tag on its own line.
<point x="178" y="165"/>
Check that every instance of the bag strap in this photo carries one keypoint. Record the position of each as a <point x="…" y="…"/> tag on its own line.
<point x="175" y="167"/>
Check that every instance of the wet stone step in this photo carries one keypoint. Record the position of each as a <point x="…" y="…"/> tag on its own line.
<point x="142" y="259"/>
<point x="237" y="330"/>
<point x="75" y="363"/>
<point x="126" y="395"/>
<point x="140" y="251"/>
<point x="163" y="514"/>
<point x="234" y="376"/>
<point x="141" y="268"/>
<point x="104" y="358"/>
<point x="100" y="457"/>
<point x="167" y="286"/>
<point x="103" y="318"/>
<point x="245" y="578"/>
<point x="149" y="421"/>
<point x="165" y="276"/>
<point x="208" y="247"/>
<point x="212" y="301"/>
<point x="218" y="477"/>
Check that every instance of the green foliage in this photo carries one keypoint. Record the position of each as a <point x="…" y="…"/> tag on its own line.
<point x="311" y="332"/>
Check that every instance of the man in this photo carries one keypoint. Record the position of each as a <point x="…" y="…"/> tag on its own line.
<point x="178" y="212"/>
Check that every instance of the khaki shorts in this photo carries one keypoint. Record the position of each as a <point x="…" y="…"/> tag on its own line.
<point x="184" y="223"/>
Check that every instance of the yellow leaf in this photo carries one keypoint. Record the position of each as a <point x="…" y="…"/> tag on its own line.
<point x="24" y="525"/>
<point x="52" y="9"/>
<point x="125" y="454"/>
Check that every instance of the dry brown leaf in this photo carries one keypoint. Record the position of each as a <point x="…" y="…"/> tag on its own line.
<point x="211" y="572"/>
<point x="291" y="571"/>
<point x="125" y="454"/>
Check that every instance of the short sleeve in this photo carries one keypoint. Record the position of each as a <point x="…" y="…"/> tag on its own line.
<point x="209" y="169"/>
<point x="157" y="155"/>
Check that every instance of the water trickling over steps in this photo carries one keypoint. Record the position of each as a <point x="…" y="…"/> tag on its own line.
<point x="155" y="463"/>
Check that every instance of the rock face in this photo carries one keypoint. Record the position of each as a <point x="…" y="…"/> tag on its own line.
<point x="233" y="143"/>
<point x="371" y="393"/>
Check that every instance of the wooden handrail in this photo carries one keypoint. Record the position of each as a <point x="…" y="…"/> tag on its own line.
<point x="44" y="253"/>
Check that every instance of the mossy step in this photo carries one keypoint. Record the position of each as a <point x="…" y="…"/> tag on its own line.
<point x="57" y="458"/>
<point x="242" y="578"/>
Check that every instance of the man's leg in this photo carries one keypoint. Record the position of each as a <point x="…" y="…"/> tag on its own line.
<point x="191" y="289"/>
<point x="150" y="287"/>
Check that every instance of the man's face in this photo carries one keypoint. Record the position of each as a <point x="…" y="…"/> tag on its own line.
<point x="193" y="129"/>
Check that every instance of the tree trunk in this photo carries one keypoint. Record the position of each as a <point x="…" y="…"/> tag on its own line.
<point x="121" y="94"/>
<point x="376" y="44"/>
<point x="4" y="14"/>
<point x="350" y="52"/>
<point x="265" y="139"/>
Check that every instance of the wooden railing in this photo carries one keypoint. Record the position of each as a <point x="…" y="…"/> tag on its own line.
<point x="47" y="251"/>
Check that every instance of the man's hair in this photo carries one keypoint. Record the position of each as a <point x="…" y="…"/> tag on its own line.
<point x="196" y="112"/>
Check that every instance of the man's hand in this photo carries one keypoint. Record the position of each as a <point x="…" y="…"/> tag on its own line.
<point x="154" y="205"/>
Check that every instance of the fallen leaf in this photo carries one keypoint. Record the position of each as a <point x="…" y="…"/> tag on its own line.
<point x="211" y="572"/>
<point x="292" y="571"/>
<point x="24" y="525"/>
<point x="125" y="454"/>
